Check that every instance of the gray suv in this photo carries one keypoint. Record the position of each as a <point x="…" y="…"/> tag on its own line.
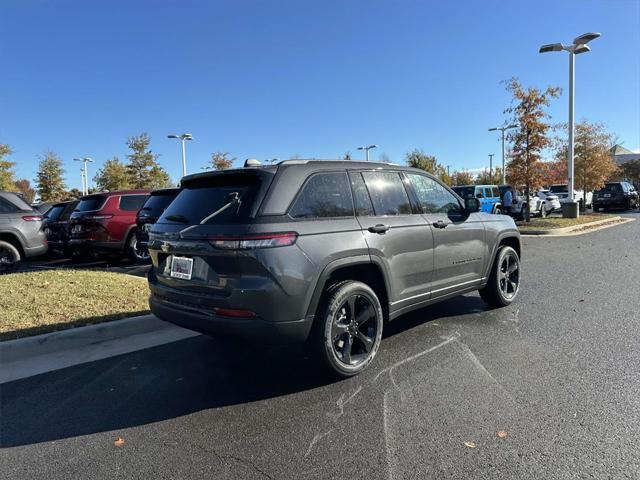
<point x="323" y="252"/>
<point x="21" y="234"/>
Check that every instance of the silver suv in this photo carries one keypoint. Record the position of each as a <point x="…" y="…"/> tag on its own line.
<point x="21" y="234"/>
<point x="323" y="252"/>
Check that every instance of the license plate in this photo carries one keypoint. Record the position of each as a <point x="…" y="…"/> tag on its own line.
<point x="181" y="267"/>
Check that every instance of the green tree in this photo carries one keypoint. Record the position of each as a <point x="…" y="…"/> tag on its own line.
<point x="143" y="170"/>
<point x="113" y="176"/>
<point x="418" y="159"/>
<point x="50" y="184"/>
<point x="23" y="186"/>
<point x="529" y="139"/>
<point x="74" y="194"/>
<point x="6" y="169"/>
<point x="220" y="161"/>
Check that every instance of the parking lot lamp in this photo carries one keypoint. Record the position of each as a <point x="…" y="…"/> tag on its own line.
<point x="183" y="138"/>
<point x="366" y="149"/>
<point x="502" y="129"/>
<point x="84" y="172"/>
<point x="578" y="46"/>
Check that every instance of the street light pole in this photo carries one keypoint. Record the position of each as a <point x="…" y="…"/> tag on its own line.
<point x="502" y="130"/>
<point x="84" y="173"/>
<point x="183" y="138"/>
<point x="491" y="168"/>
<point x="366" y="149"/>
<point x="578" y="46"/>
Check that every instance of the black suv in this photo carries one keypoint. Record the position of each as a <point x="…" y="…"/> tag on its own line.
<point x="615" y="195"/>
<point x="156" y="203"/>
<point x="56" y="226"/>
<point x="323" y="252"/>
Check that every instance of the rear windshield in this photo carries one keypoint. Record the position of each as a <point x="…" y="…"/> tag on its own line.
<point x="88" y="204"/>
<point x="156" y="204"/>
<point x="611" y="188"/>
<point x="558" y="188"/>
<point x="19" y="202"/>
<point x="200" y="199"/>
<point x="465" y="192"/>
<point x="54" y="212"/>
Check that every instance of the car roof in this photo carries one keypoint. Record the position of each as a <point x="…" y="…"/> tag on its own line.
<point x="119" y="192"/>
<point x="165" y="191"/>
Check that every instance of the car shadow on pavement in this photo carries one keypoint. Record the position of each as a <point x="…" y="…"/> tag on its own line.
<point x="169" y="381"/>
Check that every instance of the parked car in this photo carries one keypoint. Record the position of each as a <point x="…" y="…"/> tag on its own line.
<point x="41" y="208"/>
<point x="616" y="195"/>
<point x="488" y="195"/>
<point x="21" y="234"/>
<point x="153" y="207"/>
<point x="323" y="252"/>
<point x="562" y="191"/>
<point x="56" y="226"/>
<point x="105" y="224"/>
<point x="549" y="202"/>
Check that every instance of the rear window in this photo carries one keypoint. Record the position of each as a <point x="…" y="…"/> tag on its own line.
<point x="324" y="195"/>
<point x="156" y="204"/>
<point x="132" y="203"/>
<point x="88" y="204"/>
<point x="201" y="198"/>
<point x="7" y="207"/>
<point x="612" y="188"/>
<point x="14" y="202"/>
<point x="387" y="193"/>
<point x="54" y="212"/>
<point x="559" y="188"/>
<point x="465" y="192"/>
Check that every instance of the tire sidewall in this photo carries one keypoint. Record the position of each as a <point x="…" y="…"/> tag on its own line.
<point x="503" y="252"/>
<point x="13" y="251"/>
<point x="335" y="301"/>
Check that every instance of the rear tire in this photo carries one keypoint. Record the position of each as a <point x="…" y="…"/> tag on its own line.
<point x="9" y="257"/>
<point x="136" y="254"/>
<point x="504" y="281"/>
<point x="543" y="211"/>
<point x="348" y="330"/>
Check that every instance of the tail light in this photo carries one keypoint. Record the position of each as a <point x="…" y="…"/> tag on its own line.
<point x="262" y="240"/>
<point x="234" y="312"/>
<point x="32" y="218"/>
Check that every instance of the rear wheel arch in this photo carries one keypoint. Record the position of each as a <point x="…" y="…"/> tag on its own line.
<point x="360" y="269"/>
<point x="14" y="240"/>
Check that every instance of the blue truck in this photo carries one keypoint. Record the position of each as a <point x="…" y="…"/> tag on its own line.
<point x="489" y="196"/>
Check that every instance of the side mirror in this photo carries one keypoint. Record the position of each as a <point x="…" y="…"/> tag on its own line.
<point x="471" y="205"/>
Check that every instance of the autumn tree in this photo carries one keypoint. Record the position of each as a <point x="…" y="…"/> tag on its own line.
<point x="592" y="161"/>
<point x="50" y="184"/>
<point x="23" y="187"/>
<point x="220" y="161"/>
<point x="529" y="139"/>
<point x="6" y="169"/>
<point x="143" y="170"/>
<point x="554" y="172"/>
<point x="461" y="178"/>
<point x="418" y="159"/>
<point x="113" y="176"/>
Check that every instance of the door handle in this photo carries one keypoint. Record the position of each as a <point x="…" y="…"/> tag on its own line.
<point x="439" y="224"/>
<point x="380" y="228"/>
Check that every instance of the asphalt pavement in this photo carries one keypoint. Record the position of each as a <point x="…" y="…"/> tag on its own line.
<point x="558" y="372"/>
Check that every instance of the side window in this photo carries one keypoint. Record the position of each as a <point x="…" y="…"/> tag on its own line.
<point x="324" y="195"/>
<point x="449" y="203"/>
<point x="496" y="192"/>
<point x="428" y="191"/>
<point x="363" y="205"/>
<point x="7" y="207"/>
<point x="132" y="203"/>
<point x="488" y="192"/>
<point x="479" y="192"/>
<point x="387" y="193"/>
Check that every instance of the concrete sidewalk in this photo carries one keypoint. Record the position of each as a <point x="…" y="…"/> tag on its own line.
<point x="30" y="356"/>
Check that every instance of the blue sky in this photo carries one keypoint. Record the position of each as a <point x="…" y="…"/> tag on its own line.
<point x="264" y="79"/>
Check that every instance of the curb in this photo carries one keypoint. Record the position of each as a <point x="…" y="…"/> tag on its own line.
<point x="577" y="229"/>
<point x="25" y="357"/>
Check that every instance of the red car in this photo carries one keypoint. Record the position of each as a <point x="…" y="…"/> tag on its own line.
<point x="105" y="223"/>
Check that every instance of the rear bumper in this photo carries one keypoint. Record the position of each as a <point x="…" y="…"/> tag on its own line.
<point x="35" y="251"/>
<point x="254" y="329"/>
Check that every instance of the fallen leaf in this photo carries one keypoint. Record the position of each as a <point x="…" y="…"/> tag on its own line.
<point x="502" y="434"/>
<point x="470" y="444"/>
<point x="119" y="442"/>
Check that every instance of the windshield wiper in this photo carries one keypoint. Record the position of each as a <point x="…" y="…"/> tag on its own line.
<point x="235" y="201"/>
<point x="177" y="218"/>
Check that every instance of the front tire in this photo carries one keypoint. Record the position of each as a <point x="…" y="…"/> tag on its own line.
<point x="543" y="211"/>
<point x="9" y="257"/>
<point x="504" y="280"/>
<point x="348" y="330"/>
